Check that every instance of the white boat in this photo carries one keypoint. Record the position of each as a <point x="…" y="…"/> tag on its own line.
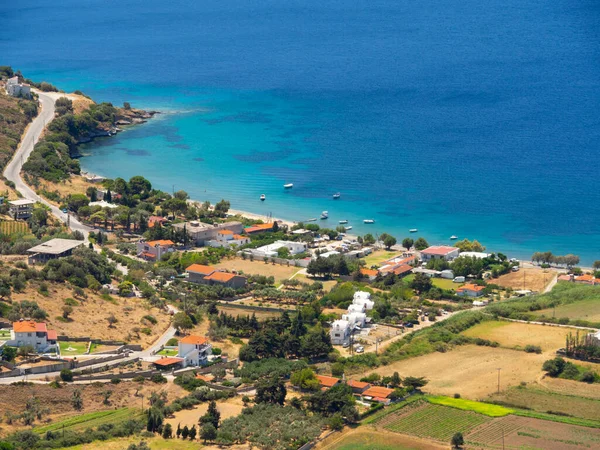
<point x="348" y="228"/>
<point x="324" y="215"/>
<point x="263" y="197"/>
<point x="288" y="186"/>
<point x="336" y="195"/>
<point x="453" y="238"/>
<point x="413" y="230"/>
<point x="314" y="219"/>
<point x="343" y="222"/>
<point x="368" y="221"/>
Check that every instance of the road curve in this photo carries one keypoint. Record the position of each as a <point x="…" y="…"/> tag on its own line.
<point x="31" y="137"/>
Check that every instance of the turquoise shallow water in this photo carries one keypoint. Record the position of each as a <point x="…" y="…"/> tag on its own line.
<point x="478" y="120"/>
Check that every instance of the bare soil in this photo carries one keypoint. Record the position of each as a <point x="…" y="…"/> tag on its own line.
<point x="278" y="271"/>
<point x="228" y="408"/>
<point x="532" y="278"/>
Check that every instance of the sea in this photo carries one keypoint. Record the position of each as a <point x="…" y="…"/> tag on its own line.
<point x="475" y="119"/>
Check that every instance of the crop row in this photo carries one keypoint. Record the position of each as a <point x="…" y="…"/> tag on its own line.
<point x="437" y="422"/>
<point x="493" y="431"/>
<point x="9" y="228"/>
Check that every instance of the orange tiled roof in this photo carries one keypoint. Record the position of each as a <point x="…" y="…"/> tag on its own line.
<point x="564" y="278"/>
<point x="167" y="361"/>
<point x="162" y="243"/>
<point x="195" y="340"/>
<point x="26" y="326"/>
<point x="471" y="287"/>
<point x="238" y="236"/>
<point x="358" y="384"/>
<point x="327" y="381"/>
<point x="378" y="391"/>
<point x="439" y="250"/>
<point x="220" y="276"/>
<point x="259" y="227"/>
<point x="52" y="335"/>
<point x="225" y="232"/>
<point x="369" y="272"/>
<point x="148" y="255"/>
<point x="200" y="268"/>
<point x="586" y="277"/>
<point x="404" y="268"/>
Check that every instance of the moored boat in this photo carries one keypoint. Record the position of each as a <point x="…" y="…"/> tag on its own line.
<point x="453" y="238"/>
<point x="343" y="222"/>
<point x="263" y="197"/>
<point x="368" y="221"/>
<point x="348" y="228"/>
<point x="288" y="186"/>
<point x="324" y="215"/>
<point x="413" y="230"/>
<point x="336" y="195"/>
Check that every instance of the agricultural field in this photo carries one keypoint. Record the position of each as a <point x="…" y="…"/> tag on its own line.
<point x="518" y="335"/>
<point x="155" y="443"/>
<point x="367" y="438"/>
<point x="91" y="420"/>
<point x="72" y="348"/>
<point x="542" y="400"/>
<point x="444" y="283"/>
<point x="11" y="227"/>
<point x="255" y="267"/>
<point x="427" y="420"/>
<point x="588" y="309"/>
<point x="228" y="408"/>
<point x="532" y="278"/>
<point x="379" y="256"/>
<point x="469" y="370"/>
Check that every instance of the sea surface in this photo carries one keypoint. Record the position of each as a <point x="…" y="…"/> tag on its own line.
<point x="475" y="119"/>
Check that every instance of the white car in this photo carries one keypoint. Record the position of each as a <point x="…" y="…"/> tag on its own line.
<point x="359" y="349"/>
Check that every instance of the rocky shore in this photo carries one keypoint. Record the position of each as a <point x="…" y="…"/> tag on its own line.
<point x="125" y="117"/>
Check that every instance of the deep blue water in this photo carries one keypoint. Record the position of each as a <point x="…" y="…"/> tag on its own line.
<point x="478" y="119"/>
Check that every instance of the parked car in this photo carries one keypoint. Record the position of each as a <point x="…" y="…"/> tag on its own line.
<point x="359" y="349"/>
<point x="345" y="345"/>
<point x="515" y="268"/>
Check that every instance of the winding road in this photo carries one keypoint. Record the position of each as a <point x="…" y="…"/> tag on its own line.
<point x="31" y="137"/>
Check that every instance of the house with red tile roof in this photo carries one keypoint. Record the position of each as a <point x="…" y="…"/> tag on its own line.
<point x="470" y="290"/>
<point x="153" y="220"/>
<point x="378" y="394"/>
<point x="371" y="274"/>
<point x="198" y="273"/>
<point x="154" y="250"/>
<point x="194" y="350"/>
<point x="260" y="228"/>
<point x="439" y="252"/>
<point x="326" y="382"/>
<point x="585" y="279"/>
<point x="358" y="387"/>
<point x="227" y="238"/>
<point x="35" y="334"/>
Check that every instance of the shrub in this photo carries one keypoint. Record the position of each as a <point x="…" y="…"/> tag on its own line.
<point x="150" y="318"/>
<point x="533" y="349"/>
<point x="66" y="375"/>
<point x="158" y="378"/>
<point x="173" y="342"/>
<point x="115" y="380"/>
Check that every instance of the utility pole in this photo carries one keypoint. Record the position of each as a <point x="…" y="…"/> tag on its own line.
<point x="498" y="379"/>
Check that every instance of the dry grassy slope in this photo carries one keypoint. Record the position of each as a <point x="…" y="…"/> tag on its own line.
<point x="89" y="318"/>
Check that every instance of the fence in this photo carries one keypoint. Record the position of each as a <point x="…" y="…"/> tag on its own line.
<point x="118" y="376"/>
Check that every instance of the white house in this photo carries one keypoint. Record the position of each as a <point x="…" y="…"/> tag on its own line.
<point x="340" y="332"/>
<point x="270" y="250"/>
<point x="364" y="299"/>
<point x="29" y="332"/>
<point x="227" y="238"/>
<point x="356" y="308"/>
<point x="194" y="350"/>
<point x="154" y="250"/>
<point x="16" y="89"/>
<point x="439" y="252"/>
<point x="21" y="209"/>
<point x="355" y="318"/>
<point x="470" y="290"/>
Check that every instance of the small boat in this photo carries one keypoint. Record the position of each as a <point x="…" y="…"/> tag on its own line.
<point x="324" y="215"/>
<point x="453" y="238"/>
<point x="288" y="186"/>
<point x="348" y="228"/>
<point x="314" y="219"/>
<point x="336" y="195"/>
<point x="368" y="221"/>
<point x="413" y="230"/>
<point x="263" y="197"/>
<point x="343" y="222"/>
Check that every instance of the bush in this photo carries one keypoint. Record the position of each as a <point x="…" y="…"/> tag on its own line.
<point x="158" y="378"/>
<point x="115" y="380"/>
<point x="533" y="349"/>
<point x="173" y="342"/>
<point x="66" y="375"/>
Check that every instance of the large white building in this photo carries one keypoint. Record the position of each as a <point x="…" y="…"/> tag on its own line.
<point x="270" y="250"/>
<point x="340" y="332"/>
<point x="21" y="209"/>
<point x="16" y="89"/>
<point x="29" y="332"/>
<point x="194" y="350"/>
<point x="227" y="238"/>
<point x="355" y="318"/>
<point x="364" y="299"/>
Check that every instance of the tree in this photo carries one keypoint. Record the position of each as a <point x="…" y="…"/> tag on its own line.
<point x="554" y="367"/>
<point x="389" y="241"/>
<point x="182" y="321"/>
<point x="139" y="185"/>
<point x="185" y="432"/>
<point x="421" y="283"/>
<point x="270" y="390"/>
<point x="111" y="319"/>
<point x="457" y="440"/>
<point x="92" y="193"/>
<point x="76" y="399"/>
<point x="305" y="379"/>
<point x="155" y="419"/>
<point x="421" y="244"/>
<point x="596" y="265"/>
<point x="167" y="432"/>
<point x="222" y="207"/>
<point x="8" y="353"/>
<point x="208" y="432"/>
<point x="368" y="239"/>
<point x="414" y="383"/>
<point x="66" y="311"/>
<point x="193" y="433"/>
<point x="212" y="416"/>
<point x="76" y="201"/>
<point x="407" y="243"/>
<point x="106" y="397"/>
<point x="66" y="375"/>
<point x="178" y="430"/>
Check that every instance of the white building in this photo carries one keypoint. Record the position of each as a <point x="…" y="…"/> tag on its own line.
<point x="364" y="299"/>
<point x="270" y="250"/>
<point x="439" y="252"/>
<point x="29" y="332"/>
<point x="194" y="350"/>
<point x="448" y="274"/>
<point x="154" y="250"/>
<point x="478" y="255"/>
<point x="356" y="308"/>
<point x="200" y="233"/>
<point x="103" y="204"/>
<point x="355" y="318"/>
<point x="340" y="332"/>
<point x="53" y="249"/>
<point x="16" y="89"/>
<point x="227" y="238"/>
<point x="326" y="254"/>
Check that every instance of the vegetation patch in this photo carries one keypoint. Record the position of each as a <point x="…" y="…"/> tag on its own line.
<point x="486" y="409"/>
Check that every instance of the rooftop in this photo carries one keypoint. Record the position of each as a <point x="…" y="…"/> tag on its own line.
<point x="56" y="246"/>
<point x="161" y="242"/>
<point x="104" y="204"/>
<point x="439" y="250"/>
<point x="471" y="287"/>
<point x="21" y="202"/>
<point x="369" y="272"/>
<point x="327" y="381"/>
<point x="223" y="277"/>
<point x="29" y="326"/>
<point x="259" y="227"/>
<point x="225" y="232"/>
<point x="195" y="226"/>
<point x="358" y="384"/>
<point x="200" y="268"/>
<point x="194" y="340"/>
<point x="378" y="391"/>
<point x="167" y="361"/>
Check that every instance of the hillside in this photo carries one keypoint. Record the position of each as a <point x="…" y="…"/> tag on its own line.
<point x="15" y="114"/>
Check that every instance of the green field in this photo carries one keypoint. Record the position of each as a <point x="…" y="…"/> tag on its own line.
<point x="91" y="420"/>
<point x="156" y="443"/>
<point x="444" y="283"/>
<point x="541" y="400"/>
<point x="432" y="421"/>
<point x="168" y="352"/>
<point x="73" y="348"/>
<point x="4" y="335"/>
<point x="370" y="439"/>
<point x="487" y="409"/>
<point x="584" y="310"/>
<point x="378" y="256"/>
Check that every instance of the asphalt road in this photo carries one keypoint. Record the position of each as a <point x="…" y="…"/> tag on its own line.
<point x="32" y="136"/>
